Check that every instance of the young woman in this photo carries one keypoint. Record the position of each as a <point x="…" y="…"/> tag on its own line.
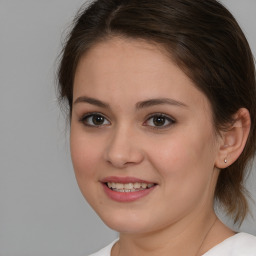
<point x="162" y="107"/>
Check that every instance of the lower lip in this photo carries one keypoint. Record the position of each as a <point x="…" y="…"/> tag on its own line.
<point x="126" y="196"/>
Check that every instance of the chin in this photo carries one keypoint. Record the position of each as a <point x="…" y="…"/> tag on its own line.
<point x="127" y="227"/>
<point x="128" y="222"/>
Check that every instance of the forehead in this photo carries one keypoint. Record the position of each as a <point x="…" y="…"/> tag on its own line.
<point x="118" y="54"/>
<point x="135" y="69"/>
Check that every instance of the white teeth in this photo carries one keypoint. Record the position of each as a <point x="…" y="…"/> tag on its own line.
<point x="129" y="187"/>
<point x="144" y="185"/>
<point x="110" y="185"/>
<point x="119" y="186"/>
<point x="136" y="185"/>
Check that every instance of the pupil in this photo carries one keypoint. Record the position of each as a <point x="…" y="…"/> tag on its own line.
<point x="98" y="120"/>
<point x="159" y="121"/>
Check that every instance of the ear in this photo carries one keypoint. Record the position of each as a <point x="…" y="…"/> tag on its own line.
<point x="232" y="141"/>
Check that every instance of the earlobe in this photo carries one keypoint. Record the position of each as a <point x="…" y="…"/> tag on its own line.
<point x="233" y="140"/>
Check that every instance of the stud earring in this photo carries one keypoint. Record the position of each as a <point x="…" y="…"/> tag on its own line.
<point x="225" y="160"/>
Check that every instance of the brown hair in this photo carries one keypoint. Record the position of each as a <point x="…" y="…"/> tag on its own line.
<point x="205" y="40"/>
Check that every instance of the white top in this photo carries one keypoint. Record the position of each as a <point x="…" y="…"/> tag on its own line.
<point x="241" y="244"/>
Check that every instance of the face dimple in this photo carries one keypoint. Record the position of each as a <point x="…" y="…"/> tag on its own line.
<point x="159" y="130"/>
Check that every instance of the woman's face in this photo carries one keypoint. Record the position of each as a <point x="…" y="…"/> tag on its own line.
<point x="142" y="141"/>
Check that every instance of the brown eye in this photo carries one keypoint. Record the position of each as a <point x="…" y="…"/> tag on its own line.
<point x="98" y="120"/>
<point x="159" y="121"/>
<point x="95" y="120"/>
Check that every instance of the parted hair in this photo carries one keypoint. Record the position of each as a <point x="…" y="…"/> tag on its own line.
<point x="205" y="41"/>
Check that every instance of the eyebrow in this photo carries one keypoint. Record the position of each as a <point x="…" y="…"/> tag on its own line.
<point x="92" y="101"/>
<point x="160" y="101"/>
<point x="139" y="105"/>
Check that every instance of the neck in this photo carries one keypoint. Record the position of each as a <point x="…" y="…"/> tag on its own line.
<point x="186" y="237"/>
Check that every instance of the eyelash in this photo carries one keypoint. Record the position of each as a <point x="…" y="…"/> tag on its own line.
<point x="164" y="117"/>
<point x="85" y="118"/>
<point x="170" y="120"/>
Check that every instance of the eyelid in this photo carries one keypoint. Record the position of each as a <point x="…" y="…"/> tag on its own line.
<point x="89" y="114"/>
<point x="168" y="117"/>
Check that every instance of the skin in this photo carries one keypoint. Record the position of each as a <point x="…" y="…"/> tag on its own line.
<point x="181" y="156"/>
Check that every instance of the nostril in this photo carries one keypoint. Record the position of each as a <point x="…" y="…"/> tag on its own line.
<point x="123" y="150"/>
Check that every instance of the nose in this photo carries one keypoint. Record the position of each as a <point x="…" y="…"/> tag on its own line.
<point x="123" y="149"/>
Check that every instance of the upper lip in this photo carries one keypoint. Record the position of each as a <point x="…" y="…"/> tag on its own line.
<point x="125" y="180"/>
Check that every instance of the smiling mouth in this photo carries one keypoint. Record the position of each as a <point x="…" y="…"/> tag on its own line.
<point x="129" y="187"/>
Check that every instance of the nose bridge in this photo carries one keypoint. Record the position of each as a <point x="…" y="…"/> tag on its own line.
<point x="123" y="147"/>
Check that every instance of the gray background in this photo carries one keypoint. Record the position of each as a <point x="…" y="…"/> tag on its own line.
<point x="42" y="212"/>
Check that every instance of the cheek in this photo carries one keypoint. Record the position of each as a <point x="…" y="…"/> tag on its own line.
<point x="85" y="159"/>
<point x="186" y="178"/>
<point x="185" y="160"/>
<point x="84" y="155"/>
<point x="173" y="153"/>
